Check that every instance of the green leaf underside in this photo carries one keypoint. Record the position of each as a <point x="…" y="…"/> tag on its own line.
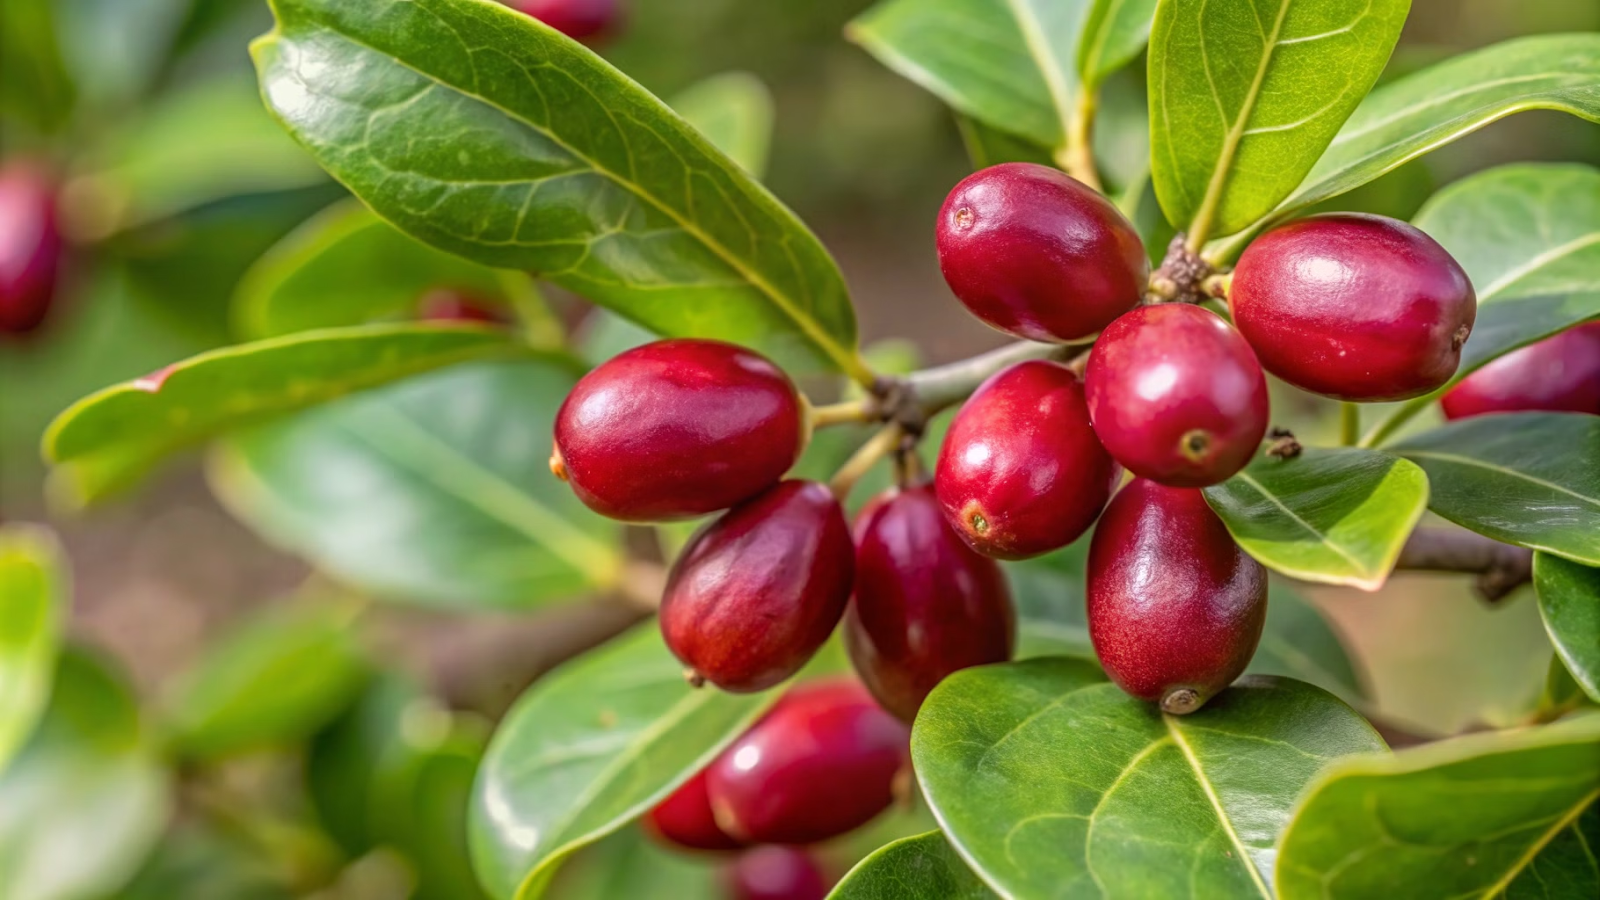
<point x="1114" y="34"/>
<point x="435" y="491"/>
<point x="1334" y="515"/>
<point x="735" y="112"/>
<point x="915" y="868"/>
<point x="1134" y="803"/>
<point x="1510" y="814"/>
<point x="586" y="750"/>
<point x="1523" y="478"/>
<point x="131" y="425"/>
<point x="484" y="133"/>
<point x="1569" y="601"/>
<point x="33" y="601"/>
<point x="1246" y="94"/>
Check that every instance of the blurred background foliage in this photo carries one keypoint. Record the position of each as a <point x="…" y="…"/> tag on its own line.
<point x="344" y="778"/>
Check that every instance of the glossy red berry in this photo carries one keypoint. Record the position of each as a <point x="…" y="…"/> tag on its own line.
<point x="1558" y="374"/>
<point x="1352" y="306"/>
<point x="1176" y="395"/>
<point x="821" y="763"/>
<point x="1021" y="472"/>
<point x="677" y="429"/>
<point x="685" y="819"/>
<point x="449" y="305"/>
<point x="1175" y="607"/>
<point x="30" y="247"/>
<point x="577" y="19"/>
<point x="756" y="592"/>
<point x="1033" y="252"/>
<point x="776" y="873"/>
<point x="925" y="604"/>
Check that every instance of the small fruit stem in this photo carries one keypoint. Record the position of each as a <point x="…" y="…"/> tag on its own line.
<point x="1077" y="157"/>
<point x="846" y="413"/>
<point x="877" y="447"/>
<point x="541" y="328"/>
<point x="1387" y="428"/>
<point x="1349" y="424"/>
<point x="945" y="386"/>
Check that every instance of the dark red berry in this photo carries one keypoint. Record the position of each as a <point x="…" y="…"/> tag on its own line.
<point x="756" y="592"/>
<point x="685" y="819"/>
<point x="1558" y="374"/>
<point x="1354" y="306"/>
<point x="1021" y="472"/>
<point x="30" y="247"/>
<point x="449" y="305"/>
<point x="1176" y="395"/>
<point x="677" y="429"/>
<point x="1175" y="607"/>
<point x="925" y="605"/>
<point x="776" y="873"/>
<point x="577" y="19"/>
<point x="821" y="763"/>
<point x="1033" y="252"/>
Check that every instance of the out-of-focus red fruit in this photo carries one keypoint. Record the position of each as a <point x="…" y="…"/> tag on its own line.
<point x="30" y="247"/>
<point x="1175" y="607"/>
<point x="925" y="604"/>
<point x="577" y="19"/>
<point x="1354" y="306"/>
<point x="756" y="592"/>
<point x="685" y="819"/>
<point x="821" y="763"/>
<point x="448" y="305"/>
<point x="1021" y="472"/>
<point x="1558" y="374"/>
<point x="776" y="873"/>
<point x="1033" y="252"/>
<point x="677" y="429"/>
<point x="1176" y="395"/>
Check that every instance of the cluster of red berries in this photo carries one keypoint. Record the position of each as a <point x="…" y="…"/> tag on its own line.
<point x="30" y="246"/>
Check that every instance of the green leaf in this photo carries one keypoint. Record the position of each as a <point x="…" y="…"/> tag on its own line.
<point x="1495" y="815"/>
<point x="1561" y="694"/>
<point x="1051" y="782"/>
<point x="913" y="868"/>
<point x="1245" y="95"/>
<point x="346" y="266"/>
<point x="435" y="491"/>
<point x="630" y="865"/>
<point x="988" y="146"/>
<point x="1299" y="643"/>
<point x="34" y="85"/>
<point x="734" y="112"/>
<point x="1569" y="601"/>
<point x="588" y="749"/>
<point x="1007" y="63"/>
<point x="1332" y="515"/>
<point x="111" y="436"/>
<point x="86" y="785"/>
<point x="34" y="595"/>
<point x="1523" y="478"/>
<point x="273" y="682"/>
<point x="1114" y="35"/>
<point x="487" y="134"/>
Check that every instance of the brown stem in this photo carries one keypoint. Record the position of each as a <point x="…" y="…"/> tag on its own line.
<point x="1501" y="568"/>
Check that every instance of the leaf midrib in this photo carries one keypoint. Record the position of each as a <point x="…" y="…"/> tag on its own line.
<point x="1538" y="846"/>
<point x="1536" y="262"/>
<point x="1511" y="473"/>
<point x="1055" y="80"/>
<point x="1189" y="756"/>
<point x="1322" y="538"/>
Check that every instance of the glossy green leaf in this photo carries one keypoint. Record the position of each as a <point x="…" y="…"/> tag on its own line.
<point x="110" y="436"/>
<point x="1511" y="814"/>
<point x="1523" y="478"/>
<point x="1245" y="95"/>
<point x="913" y="868"/>
<point x="485" y="133"/>
<point x="586" y="750"/>
<point x="1114" y="34"/>
<point x="85" y="801"/>
<point x="1569" y="601"/>
<point x="33" y="604"/>
<point x="1051" y="782"/>
<point x="1333" y="515"/>
<point x="436" y="491"/>
<point x="734" y="112"/>
<point x="273" y="682"/>
<point x="630" y="864"/>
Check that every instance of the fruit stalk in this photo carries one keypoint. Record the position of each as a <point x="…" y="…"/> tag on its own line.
<point x="1349" y="424"/>
<point x="1077" y="157"/>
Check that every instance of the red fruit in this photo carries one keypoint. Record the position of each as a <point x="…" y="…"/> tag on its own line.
<point x="677" y="429"/>
<point x="756" y="592"/>
<point x="1558" y="374"/>
<point x="1175" y="607"/>
<point x="1021" y="472"/>
<point x="821" y="763"/>
<point x="685" y="819"/>
<point x="925" y="605"/>
<point x="447" y="305"/>
<point x="30" y="247"/>
<point x="1353" y="306"/>
<point x="577" y="19"/>
<point x="776" y="873"/>
<point x="1035" y="253"/>
<point x="1176" y="395"/>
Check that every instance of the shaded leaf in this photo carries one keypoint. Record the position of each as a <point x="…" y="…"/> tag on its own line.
<point x="34" y="85"/>
<point x="1114" y="34"/>
<point x="734" y="112"/>
<point x="1299" y="643"/>
<point x="989" y="146"/>
<point x="34" y="596"/>
<point x="913" y="868"/>
<point x="1569" y="601"/>
<point x="629" y="864"/>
